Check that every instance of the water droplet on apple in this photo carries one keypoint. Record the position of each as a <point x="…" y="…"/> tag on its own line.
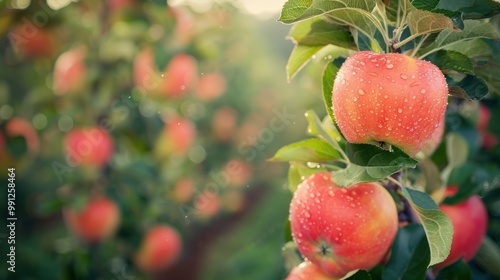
<point x="404" y="77"/>
<point x="311" y="195"/>
<point x="400" y="110"/>
<point x="373" y="74"/>
<point x="307" y="214"/>
<point x="331" y="193"/>
<point x="355" y="99"/>
<point x="342" y="81"/>
<point x="339" y="229"/>
<point x="389" y="66"/>
<point x="414" y="84"/>
<point x="422" y="90"/>
<point x="362" y="92"/>
<point x="406" y="99"/>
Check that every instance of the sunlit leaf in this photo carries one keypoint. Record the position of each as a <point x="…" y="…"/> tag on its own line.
<point x="424" y="22"/>
<point x="307" y="150"/>
<point x="437" y="225"/>
<point x="328" y="78"/>
<point x="299" y="57"/>
<point x="318" y="32"/>
<point x="472" y="29"/>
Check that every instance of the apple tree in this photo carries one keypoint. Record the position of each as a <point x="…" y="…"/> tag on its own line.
<point x="411" y="92"/>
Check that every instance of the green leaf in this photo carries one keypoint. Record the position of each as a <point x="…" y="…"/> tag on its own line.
<point x="318" y="32"/>
<point x="426" y="5"/>
<point x="457" y="271"/>
<point x="456" y="152"/>
<point x="437" y="225"/>
<point x="297" y="10"/>
<point x="369" y="164"/>
<point x="431" y="174"/>
<point x="299" y="57"/>
<point x="452" y="60"/>
<point x="360" y="275"/>
<point x="316" y="128"/>
<point x="410" y="254"/>
<point x="488" y="257"/>
<point x="315" y="150"/>
<point x="294" y="178"/>
<point x="473" y="29"/>
<point x="456" y="17"/>
<point x="471" y="87"/>
<point x="425" y="22"/>
<point x="291" y="255"/>
<point x="475" y="9"/>
<point x="328" y="78"/>
<point x="474" y="183"/>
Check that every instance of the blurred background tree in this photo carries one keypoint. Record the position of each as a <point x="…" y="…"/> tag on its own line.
<point x="129" y="119"/>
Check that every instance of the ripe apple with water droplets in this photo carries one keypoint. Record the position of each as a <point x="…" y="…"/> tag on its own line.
<point x="470" y="221"/>
<point x="307" y="271"/>
<point x="342" y="229"/>
<point x="389" y="99"/>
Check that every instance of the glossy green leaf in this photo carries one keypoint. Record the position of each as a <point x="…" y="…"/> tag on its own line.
<point x="471" y="88"/>
<point x="328" y="79"/>
<point x="370" y="163"/>
<point x="410" y="254"/>
<point x="457" y="271"/>
<point x="299" y="58"/>
<point x="472" y="9"/>
<point x="287" y="232"/>
<point x="426" y="5"/>
<point x="437" y="225"/>
<point x="316" y="128"/>
<point x="473" y="29"/>
<point x="452" y="60"/>
<point x="297" y="10"/>
<point x="319" y="32"/>
<point x="294" y="178"/>
<point x="314" y="149"/>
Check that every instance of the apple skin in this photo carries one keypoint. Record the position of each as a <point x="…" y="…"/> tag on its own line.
<point x="389" y="99"/>
<point x="31" y="41"/>
<point x="484" y="118"/>
<point x="69" y="71"/>
<point x="224" y="124"/>
<point x="342" y="229"/>
<point x="435" y="140"/>
<point x="180" y="76"/>
<point x="470" y="221"/>
<point x="159" y="249"/>
<point x="184" y="190"/>
<point x="180" y="133"/>
<point x="98" y="220"/>
<point x="308" y="271"/>
<point x="208" y="205"/>
<point x="88" y="146"/>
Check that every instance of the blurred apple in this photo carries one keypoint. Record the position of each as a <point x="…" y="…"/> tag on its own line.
<point x="308" y="271"/>
<point x="180" y="76"/>
<point x="159" y="249"/>
<point x="239" y="172"/>
<point x="184" y="190"/>
<point x="88" y="146"/>
<point x="32" y="41"/>
<point x="210" y="86"/>
<point x="116" y="6"/>
<point x="224" y="123"/>
<point x="98" y="220"/>
<point x="17" y="126"/>
<point x="484" y="118"/>
<point x="207" y="204"/>
<point x="70" y="71"/>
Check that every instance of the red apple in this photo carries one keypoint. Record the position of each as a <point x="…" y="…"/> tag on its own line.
<point x="180" y="76"/>
<point x="98" y="220"/>
<point x="88" y="146"/>
<point x="435" y="140"/>
<point x="21" y="127"/>
<point x="184" y="27"/>
<point x="32" y="41"/>
<point x="342" y="229"/>
<point x="224" y="123"/>
<point x="488" y="140"/>
<point x="389" y="99"/>
<point x="159" y="249"/>
<point x="210" y="86"/>
<point x="70" y="71"/>
<point x="308" y="271"/>
<point x="117" y="6"/>
<point x="470" y="221"/>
